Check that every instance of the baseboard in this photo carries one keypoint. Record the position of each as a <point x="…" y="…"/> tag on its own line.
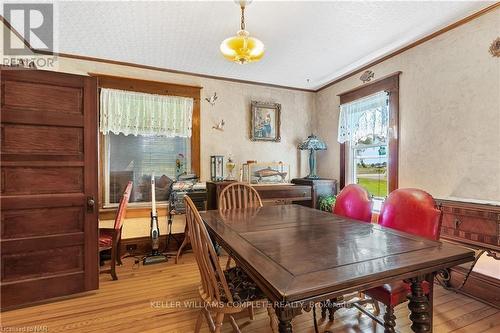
<point x="142" y="245"/>
<point x="479" y="286"/>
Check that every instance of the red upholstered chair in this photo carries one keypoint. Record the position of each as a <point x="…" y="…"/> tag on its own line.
<point x="109" y="238"/>
<point x="354" y="202"/>
<point x="413" y="211"/>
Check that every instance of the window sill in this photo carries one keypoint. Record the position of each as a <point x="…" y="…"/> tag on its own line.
<point x="109" y="213"/>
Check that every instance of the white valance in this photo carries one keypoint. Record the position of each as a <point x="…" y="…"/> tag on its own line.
<point x="138" y="113"/>
<point x="364" y="118"/>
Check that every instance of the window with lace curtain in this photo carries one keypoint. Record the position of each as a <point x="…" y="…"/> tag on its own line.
<point x="367" y="132"/>
<point x="363" y="125"/>
<point x="143" y="134"/>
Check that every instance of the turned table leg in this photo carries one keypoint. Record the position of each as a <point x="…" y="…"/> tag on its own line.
<point x="285" y="315"/>
<point x="420" y="307"/>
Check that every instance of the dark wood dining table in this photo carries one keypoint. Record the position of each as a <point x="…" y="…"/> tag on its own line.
<point x="299" y="255"/>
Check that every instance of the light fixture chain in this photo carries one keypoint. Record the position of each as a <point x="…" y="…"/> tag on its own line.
<point x="242" y="18"/>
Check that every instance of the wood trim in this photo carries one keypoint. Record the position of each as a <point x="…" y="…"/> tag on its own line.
<point x="167" y="70"/>
<point x="91" y="182"/>
<point x="151" y="87"/>
<point x="329" y="84"/>
<point x="387" y="82"/>
<point x="143" y="244"/>
<point x="390" y="84"/>
<point x="411" y="45"/>
<point x="479" y="286"/>
<point x="132" y="212"/>
<point x="342" y="166"/>
<point x="146" y="86"/>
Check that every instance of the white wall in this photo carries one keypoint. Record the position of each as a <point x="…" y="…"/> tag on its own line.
<point x="233" y="106"/>
<point x="449" y="113"/>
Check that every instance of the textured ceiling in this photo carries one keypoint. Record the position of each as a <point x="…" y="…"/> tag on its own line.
<point x="307" y="43"/>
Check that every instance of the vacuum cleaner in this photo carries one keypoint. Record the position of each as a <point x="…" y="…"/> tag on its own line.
<point x="155" y="257"/>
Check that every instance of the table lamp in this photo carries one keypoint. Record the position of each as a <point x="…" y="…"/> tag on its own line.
<point x="312" y="143"/>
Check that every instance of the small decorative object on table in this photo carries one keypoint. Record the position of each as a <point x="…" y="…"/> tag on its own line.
<point x="312" y="143"/>
<point x="230" y="165"/>
<point x="179" y="165"/>
<point x="265" y="121"/>
<point x="216" y="168"/>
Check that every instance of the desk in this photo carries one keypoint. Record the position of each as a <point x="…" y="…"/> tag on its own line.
<point x="298" y="255"/>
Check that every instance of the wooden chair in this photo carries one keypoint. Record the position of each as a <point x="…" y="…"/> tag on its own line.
<point x="238" y="195"/>
<point x="413" y="211"/>
<point x="109" y="238"/>
<point x="223" y="293"/>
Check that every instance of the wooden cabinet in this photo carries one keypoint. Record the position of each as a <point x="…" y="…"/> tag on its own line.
<point x="473" y="224"/>
<point x="477" y="226"/>
<point x="279" y="194"/>
<point x="319" y="188"/>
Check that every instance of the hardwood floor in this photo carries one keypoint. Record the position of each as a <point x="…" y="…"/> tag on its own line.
<point x="159" y="298"/>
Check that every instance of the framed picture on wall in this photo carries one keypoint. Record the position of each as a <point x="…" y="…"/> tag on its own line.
<point x="265" y="121"/>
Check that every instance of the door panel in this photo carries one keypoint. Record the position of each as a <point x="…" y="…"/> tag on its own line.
<point x="42" y="98"/>
<point x="49" y="244"/>
<point x="42" y="140"/>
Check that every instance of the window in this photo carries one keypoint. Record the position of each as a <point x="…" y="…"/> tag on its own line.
<point x="363" y="125"/>
<point x="146" y="128"/>
<point x="368" y="134"/>
<point x="136" y="158"/>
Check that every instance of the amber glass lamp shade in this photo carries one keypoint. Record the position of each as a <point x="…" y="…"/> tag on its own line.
<point x="242" y="48"/>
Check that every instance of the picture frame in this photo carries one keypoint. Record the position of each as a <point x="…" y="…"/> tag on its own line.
<point x="265" y="121"/>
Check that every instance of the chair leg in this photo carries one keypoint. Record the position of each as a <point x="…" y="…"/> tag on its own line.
<point x="324" y="308"/>
<point x="273" y="320"/>
<point x="118" y="254"/>
<point x="376" y="308"/>
<point x="331" y="307"/>
<point x="113" y="263"/>
<point x="251" y="312"/>
<point x="228" y="263"/>
<point x="219" y="317"/>
<point x="389" y="319"/>
<point x="236" y="329"/>
<point x="208" y="317"/>
<point x="198" y="322"/>
<point x="184" y="243"/>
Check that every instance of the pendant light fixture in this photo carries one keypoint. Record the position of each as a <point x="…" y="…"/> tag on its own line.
<point x="242" y="48"/>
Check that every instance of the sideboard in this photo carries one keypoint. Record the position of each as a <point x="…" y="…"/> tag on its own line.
<point x="476" y="225"/>
<point x="276" y="194"/>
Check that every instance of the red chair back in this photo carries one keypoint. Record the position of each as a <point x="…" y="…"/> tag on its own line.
<point x="413" y="211"/>
<point x="122" y="207"/>
<point x="354" y="202"/>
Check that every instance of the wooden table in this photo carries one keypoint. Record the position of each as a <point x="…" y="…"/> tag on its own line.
<point x="298" y="255"/>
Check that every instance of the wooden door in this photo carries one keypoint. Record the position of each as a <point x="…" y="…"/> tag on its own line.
<point x="49" y="227"/>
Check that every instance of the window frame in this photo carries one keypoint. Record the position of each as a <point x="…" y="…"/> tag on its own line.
<point x="389" y="84"/>
<point x="151" y="87"/>
<point x="352" y="174"/>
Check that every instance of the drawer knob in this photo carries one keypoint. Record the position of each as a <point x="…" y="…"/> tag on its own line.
<point x="457" y="222"/>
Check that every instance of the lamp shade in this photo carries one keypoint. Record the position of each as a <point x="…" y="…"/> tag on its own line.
<point x="242" y="48"/>
<point x="312" y="143"/>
